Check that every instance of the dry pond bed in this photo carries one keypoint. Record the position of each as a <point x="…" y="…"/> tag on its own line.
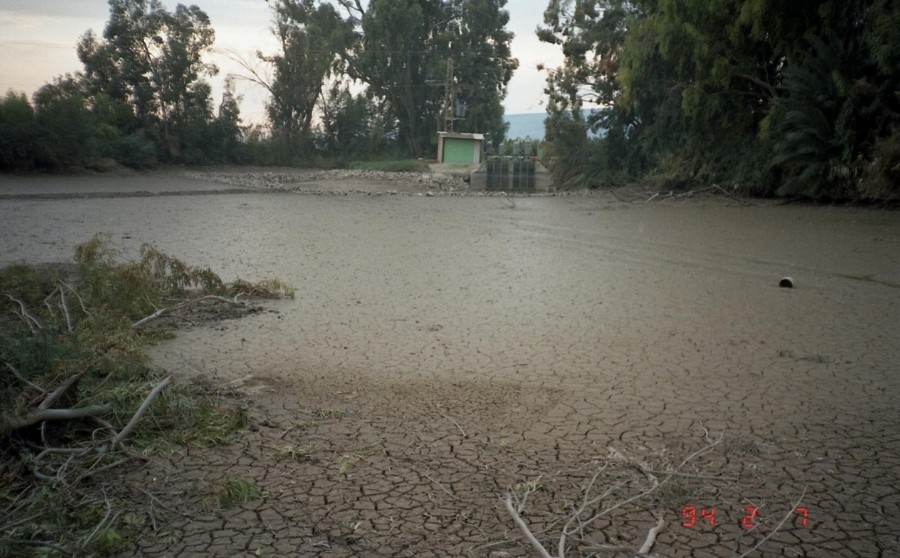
<point x="574" y="353"/>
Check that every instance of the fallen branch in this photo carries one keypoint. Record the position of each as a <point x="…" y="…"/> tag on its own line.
<point x="65" y="308"/>
<point x="44" y="544"/>
<point x="589" y="501"/>
<point x="78" y="296"/>
<point x="651" y="536"/>
<point x="778" y="527"/>
<point x="26" y="317"/>
<point x="21" y="378"/>
<point x="59" y="392"/>
<point x="520" y="523"/>
<point x="11" y="424"/>
<point x="141" y="410"/>
<point x="162" y="311"/>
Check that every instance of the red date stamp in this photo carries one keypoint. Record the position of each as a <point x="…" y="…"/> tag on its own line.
<point x="693" y="516"/>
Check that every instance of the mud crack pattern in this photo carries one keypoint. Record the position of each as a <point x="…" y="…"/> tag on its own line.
<point x="444" y="351"/>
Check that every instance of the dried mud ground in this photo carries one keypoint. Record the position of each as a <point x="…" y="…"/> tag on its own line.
<point x="444" y="351"/>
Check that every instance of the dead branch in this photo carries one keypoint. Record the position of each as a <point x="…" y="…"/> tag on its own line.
<point x="141" y="410"/>
<point x="588" y="501"/>
<point x="65" y="308"/>
<point x="635" y="198"/>
<point x="78" y="296"/>
<point x="254" y="75"/>
<point x="106" y="520"/>
<point x="11" y="424"/>
<point x="23" y="379"/>
<point x="730" y="195"/>
<point x="45" y="544"/>
<point x="47" y="301"/>
<point x="26" y="317"/>
<point x="523" y="527"/>
<point x="163" y="311"/>
<point x="778" y="527"/>
<point x="651" y="536"/>
<point x="461" y="431"/>
<point x="60" y="391"/>
<point x="92" y="471"/>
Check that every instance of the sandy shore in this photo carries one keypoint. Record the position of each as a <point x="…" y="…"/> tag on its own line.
<point x="443" y="350"/>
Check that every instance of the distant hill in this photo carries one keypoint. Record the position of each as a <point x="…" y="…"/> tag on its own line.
<point x="526" y="125"/>
<point x="529" y="125"/>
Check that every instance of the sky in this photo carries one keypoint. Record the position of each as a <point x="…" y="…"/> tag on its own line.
<point x="38" y="39"/>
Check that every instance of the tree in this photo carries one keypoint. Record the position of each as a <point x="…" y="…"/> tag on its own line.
<point x="346" y="122"/>
<point x="17" y="131"/>
<point x="310" y="37"/>
<point x="393" y="60"/>
<point x="67" y="128"/>
<point x="151" y="60"/>
<point x="483" y="65"/>
<point x="591" y="35"/>
<point x="742" y="92"/>
<point x="419" y="55"/>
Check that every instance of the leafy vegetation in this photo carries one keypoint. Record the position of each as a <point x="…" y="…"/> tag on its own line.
<point x="143" y="99"/>
<point x="760" y="97"/>
<point x="80" y="398"/>
<point x="391" y="165"/>
<point x="237" y="491"/>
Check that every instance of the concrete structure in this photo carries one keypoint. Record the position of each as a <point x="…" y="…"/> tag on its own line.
<point x="539" y="181"/>
<point x="460" y="148"/>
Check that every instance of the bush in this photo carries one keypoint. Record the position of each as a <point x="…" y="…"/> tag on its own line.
<point x="403" y="165"/>
<point x="882" y="177"/>
<point x="69" y="340"/>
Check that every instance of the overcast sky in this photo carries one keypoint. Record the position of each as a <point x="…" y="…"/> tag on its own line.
<point x="38" y="38"/>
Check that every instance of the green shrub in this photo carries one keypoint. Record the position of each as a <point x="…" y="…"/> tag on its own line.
<point x="391" y="165"/>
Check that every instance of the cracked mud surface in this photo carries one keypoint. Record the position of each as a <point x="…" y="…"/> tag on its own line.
<point x="443" y="351"/>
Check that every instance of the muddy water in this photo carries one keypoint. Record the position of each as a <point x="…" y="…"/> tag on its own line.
<point x="511" y="342"/>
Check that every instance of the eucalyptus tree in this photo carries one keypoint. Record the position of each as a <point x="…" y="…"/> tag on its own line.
<point x="761" y="95"/>
<point x="312" y="38"/>
<point x="151" y="60"/>
<point x="418" y="54"/>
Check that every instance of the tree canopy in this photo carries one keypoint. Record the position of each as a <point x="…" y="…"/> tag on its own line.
<point x="766" y="97"/>
<point x="422" y="56"/>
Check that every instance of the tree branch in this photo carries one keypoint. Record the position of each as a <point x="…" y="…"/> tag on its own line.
<point x="651" y="536"/>
<point x="11" y="424"/>
<point x="141" y="410"/>
<point x="777" y="527"/>
<point x="26" y="317"/>
<point x="59" y="392"/>
<point x="163" y="311"/>
<point x="23" y="380"/>
<point x="542" y="552"/>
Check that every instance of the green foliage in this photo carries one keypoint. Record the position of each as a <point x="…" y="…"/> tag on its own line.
<point x="65" y="124"/>
<point x="883" y="173"/>
<point x="808" y="149"/>
<point x="424" y="55"/>
<point x="151" y="60"/>
<point x="766" y="97"/>
<point x="72" y="325"/>
<point x="351" y="124"/>
<point x="309" y="36"/>
<point x="237" y="491"/>
<point x="140" y="101"/>
<point x="18" y="132"/>
<point x="161" y="279"/>
<point x="391" y="165"/>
